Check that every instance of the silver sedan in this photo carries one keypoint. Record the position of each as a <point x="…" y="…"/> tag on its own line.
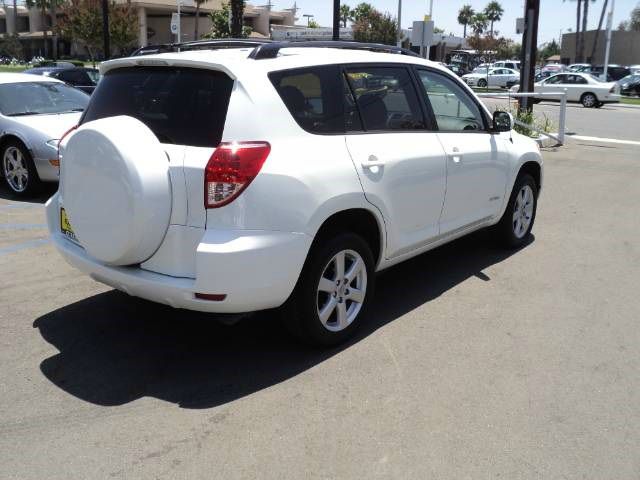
<point x="34" y="114"/>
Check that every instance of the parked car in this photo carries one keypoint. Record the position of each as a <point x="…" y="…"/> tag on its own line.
<point x="351" y="161"/>
<point x="82" y="78"/>
<point x="580" y="87"/>
<point x="34" y="114"/>
<point x="630" y="85"/>
<point x="635" y="69"/>
<point x="614" y="72"/>
<point x="578" y="67"/>
<point x="511" y="64"/>
<point x="496" y="77"/>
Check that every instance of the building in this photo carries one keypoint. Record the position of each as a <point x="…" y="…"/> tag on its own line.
<point x="625" y="47"/>
<point x="154" y="20"/>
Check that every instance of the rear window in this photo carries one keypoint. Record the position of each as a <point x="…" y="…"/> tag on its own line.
<point x="183" y="106"/>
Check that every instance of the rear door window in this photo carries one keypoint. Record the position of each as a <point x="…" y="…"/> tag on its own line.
<point x="182" y="106"/>
<point x="315" y="97"/>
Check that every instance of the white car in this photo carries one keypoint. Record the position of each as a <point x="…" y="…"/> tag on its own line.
<point x="285" y="176"/>
<point x="497" y="77"/>
<point x="34" y="113"/>
<point x="511" y="64"/>
<point x="580" y="87"/>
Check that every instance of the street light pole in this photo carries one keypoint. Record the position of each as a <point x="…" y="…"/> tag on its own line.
<point x="336" y="20"/>
<point x="428" y="45"/>
<point x="608" y="49"/>
<point x="105" y="29"/>
<point x="399" y="23"/>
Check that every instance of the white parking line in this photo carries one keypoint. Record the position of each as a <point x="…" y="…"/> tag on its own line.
<point x="603" y="140"/>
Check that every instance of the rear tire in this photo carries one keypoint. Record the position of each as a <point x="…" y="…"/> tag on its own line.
<point x="516" y="223"/>
<point x="330" y="301"/>
<point x="18" y="170"/>
<point x="589" y="100"/>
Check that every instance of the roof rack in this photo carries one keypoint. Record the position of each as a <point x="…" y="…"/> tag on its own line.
<point x="271" y="49"/>
<point x="214" y="44"/>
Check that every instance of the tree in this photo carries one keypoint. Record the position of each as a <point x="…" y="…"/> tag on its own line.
<point x="362" y="10"/>
<point x="595" y="41"/>
<point x="375" y="27"/>
<point x="465" y="15"/>
<point x="479" y="23"/>
<point x="585" y="17"/>
<point x="493" y="12"/>
<point x="313" y="24"/>
<point x="346" y="14"/>
<point x="43" y="6"/>
<point x="123" y="25"/>
<point x="81" y="21"/>
<point x="220" y="27"/>
<point x="633" y="24"/>
<point x="237" y="18"/>
<point x="11" y="47"/>
<point x="197" y="18"/>
<point x="551" y="48"/>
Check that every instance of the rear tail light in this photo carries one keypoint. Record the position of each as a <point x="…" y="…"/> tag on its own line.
<point x="62" y="138"/>
<point x="231" y="169"/>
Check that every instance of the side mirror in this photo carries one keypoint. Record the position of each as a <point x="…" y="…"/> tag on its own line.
<point x="502" y="121"/>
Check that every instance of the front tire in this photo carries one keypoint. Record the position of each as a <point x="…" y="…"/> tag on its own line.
<point x="18" y="169"/>
<point x="517" y="221"/>
<point x="482" y="83"/>
<point x="333" y="292"/>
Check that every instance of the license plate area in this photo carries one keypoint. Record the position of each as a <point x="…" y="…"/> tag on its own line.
<point x="65" y="226"/>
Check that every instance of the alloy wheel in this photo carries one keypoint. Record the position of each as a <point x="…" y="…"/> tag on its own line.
<point x="589" y="100"/>
<point x="341" y="290"/>
<point x="15" y="169"/>
<point x="523" y="211"/>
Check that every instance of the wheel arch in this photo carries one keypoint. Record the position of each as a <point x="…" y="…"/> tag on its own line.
<point x="361" y="221"/>
<point x="534" y="169"/>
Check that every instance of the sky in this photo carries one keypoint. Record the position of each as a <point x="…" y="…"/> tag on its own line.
<point x="555" y="15"/>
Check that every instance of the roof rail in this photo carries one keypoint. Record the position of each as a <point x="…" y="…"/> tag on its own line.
<point x="271" y="49"/>
<point x="213" y="44"/>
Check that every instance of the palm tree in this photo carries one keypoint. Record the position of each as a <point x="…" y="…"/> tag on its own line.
<point x="578" y="36"/>
<point x="595" y="41"/>
<point x="465" y="15"/>
<point x="53" y="12"/>
<point x="346" y="14"/>
<point x="237" y="13"/>
<point x="197" y="16"/>
<point x="585" y="16"/>
<point x="43" y="5"/>
<point x="494" y="12"/>
<point x="479" y="23"/>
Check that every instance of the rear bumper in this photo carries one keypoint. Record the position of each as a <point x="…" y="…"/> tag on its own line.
<point x="256" y="270"/>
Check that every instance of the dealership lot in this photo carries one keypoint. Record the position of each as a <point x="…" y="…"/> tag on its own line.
<point x="477" y="363"/>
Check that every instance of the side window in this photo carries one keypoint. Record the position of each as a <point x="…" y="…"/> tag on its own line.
<point x="314" y="97"/>
<point x="579" y="80"/>
<point x="75" y="77"/>
<point x="386" y="98"/>
<point x="454" y="109"/>
<point x="555" y="79"/>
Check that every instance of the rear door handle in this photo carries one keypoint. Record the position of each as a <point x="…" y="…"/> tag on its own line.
<point x="373" y="162"/>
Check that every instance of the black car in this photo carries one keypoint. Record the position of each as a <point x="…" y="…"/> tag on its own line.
<point x="614" y="72"/>
<point x="630" y="85"/>
<point x="84" y="79"/>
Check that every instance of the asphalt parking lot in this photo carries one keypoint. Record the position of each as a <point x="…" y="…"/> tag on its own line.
<point x="478" y="363"/>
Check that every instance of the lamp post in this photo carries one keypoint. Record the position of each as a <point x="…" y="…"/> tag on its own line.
<point x="336" y="20"/>
<point x="608" y="49"/>
<point x="399" y="23"/>
<point x="105" y="29"/>
<point x="308" y="17"/>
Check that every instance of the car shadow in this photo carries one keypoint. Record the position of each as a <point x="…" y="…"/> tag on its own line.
<point x="46" y="192"/>
<point x="114" y="349"/>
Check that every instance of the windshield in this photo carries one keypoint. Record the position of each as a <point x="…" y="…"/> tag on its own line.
<point x="38" y="98"/>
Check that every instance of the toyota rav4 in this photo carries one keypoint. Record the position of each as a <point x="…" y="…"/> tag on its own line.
<point x="282" y="175"/>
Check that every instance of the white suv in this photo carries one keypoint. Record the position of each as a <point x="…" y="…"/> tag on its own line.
<point x="282" y="176"/>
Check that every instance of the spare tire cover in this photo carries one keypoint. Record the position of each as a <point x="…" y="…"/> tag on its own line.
<point x="116" y="189"/>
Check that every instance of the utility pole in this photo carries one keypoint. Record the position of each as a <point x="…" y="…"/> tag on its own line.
<point x="105" y="29"/>
<point x="428" y="45"/>
<point x="608" y="49"/>
<point x="336" y="20"/>
<point x="308" y="17"/>
<point x="399" y="23"/>
<point x="529" y="51"/>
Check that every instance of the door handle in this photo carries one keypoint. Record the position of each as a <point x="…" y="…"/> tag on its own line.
<point x="456" y="156"/>
<point x="373" y="162"/>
